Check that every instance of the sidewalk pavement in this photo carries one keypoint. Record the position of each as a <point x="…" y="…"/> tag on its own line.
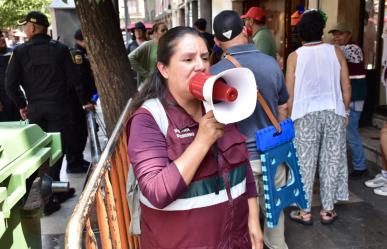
<point x="362" y="222"/>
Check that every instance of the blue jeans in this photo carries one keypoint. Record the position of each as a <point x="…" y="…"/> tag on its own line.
<point x="354" y="141"/>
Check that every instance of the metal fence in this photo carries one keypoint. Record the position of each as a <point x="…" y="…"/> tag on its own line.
<point x="103" y="202"/>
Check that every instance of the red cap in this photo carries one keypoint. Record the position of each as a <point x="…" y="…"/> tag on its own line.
<point x="256" y="13"/>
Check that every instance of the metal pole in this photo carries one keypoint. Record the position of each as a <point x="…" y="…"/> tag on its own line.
<point x="127" y="19"/>
<point x="78" y="219"/>
<point x="95" y="147"/>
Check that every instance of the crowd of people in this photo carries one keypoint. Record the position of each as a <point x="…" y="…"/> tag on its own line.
<point x="203" y="178"/>
<point x="185" y="161"/>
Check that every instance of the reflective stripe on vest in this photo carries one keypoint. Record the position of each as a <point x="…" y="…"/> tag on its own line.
<point x="157" y="110"/>
<point x="201" y="193"/>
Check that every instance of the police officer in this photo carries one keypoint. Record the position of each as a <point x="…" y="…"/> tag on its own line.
<point x="78" y="125"/>
<point x="8" y="110"/>
<point x="44" y="69"/>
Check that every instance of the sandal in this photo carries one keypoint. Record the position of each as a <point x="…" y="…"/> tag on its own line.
<point x="328" y="217"/>
<point x="305" y="218"/>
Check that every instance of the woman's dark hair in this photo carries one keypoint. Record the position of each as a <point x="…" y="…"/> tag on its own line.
<point x="155" y="85"/>
<point x="201" y="24"/>
<point x="311" y="26"/>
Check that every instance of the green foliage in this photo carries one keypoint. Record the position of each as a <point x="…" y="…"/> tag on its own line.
<point x="13" y="10"/>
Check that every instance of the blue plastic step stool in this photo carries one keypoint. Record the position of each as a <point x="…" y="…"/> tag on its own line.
<point x="277" y="149"/>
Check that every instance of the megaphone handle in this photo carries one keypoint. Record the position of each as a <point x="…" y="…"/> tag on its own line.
<point x="261" y="100"/>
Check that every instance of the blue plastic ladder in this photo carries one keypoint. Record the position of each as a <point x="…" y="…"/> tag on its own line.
<point x="277" y="149"/>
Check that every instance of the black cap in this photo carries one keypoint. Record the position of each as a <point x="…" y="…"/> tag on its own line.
<point x="140" y="25"/>
<point x="227" y="25"/>
<point x="35" y="17"/>
<point x="78" y="35"/>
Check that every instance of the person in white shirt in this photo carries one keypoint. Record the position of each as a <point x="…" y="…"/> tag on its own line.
<point x="319" y="95"/>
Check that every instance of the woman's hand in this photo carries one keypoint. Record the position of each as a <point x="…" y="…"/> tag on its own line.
<point x="23" y="113"/>
<point x="346" y="118"/>
<point x="209" y="130"/>
<point x="255" y="231"/>
<point x="346" y="122"/>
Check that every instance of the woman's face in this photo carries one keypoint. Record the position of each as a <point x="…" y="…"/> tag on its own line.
<point x="161" y="29"/>
<point x="139" y="33"/>
<point x="190" y="57"/>
<point x="340" y="38"/>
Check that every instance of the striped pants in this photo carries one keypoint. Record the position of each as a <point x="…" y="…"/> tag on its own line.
<point x="321" y="140"/>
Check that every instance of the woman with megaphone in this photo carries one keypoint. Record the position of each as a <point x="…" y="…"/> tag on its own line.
<point x="196" y="185"/>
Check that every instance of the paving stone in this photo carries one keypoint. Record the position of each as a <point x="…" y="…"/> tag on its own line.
<point x="362" y="223"/>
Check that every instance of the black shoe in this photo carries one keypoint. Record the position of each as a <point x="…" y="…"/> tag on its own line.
<point x="80" y="169"/>
<point x="86" y="163"/>
<point x="62" y="197"/>
<point x="51" y="207"/>
<point x="358" y="173"/>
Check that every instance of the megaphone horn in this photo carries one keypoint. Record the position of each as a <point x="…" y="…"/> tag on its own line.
<point x="231" y="94"/>
<point x="221" y="91"/>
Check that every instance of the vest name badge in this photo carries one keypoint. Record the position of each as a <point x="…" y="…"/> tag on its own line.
<point x="184" y="133"/>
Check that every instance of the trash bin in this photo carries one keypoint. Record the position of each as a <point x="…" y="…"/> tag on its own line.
<point x="24" y="149"/>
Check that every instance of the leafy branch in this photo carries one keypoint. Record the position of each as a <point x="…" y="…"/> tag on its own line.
<point x="13" y="10"/>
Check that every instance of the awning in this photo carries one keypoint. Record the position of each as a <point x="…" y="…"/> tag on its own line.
<point x="148" y="25"/>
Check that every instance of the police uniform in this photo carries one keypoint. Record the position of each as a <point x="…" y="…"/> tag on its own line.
<point x="44" y="68"/>
<point x="10" y="111"/>
<point x="78" y="124"/>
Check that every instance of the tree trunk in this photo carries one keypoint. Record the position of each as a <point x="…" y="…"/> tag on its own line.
<point x="115" y="7"/>
<point x="107" y="54"/>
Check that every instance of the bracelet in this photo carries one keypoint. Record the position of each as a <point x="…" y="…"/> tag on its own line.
<point x="347" y="113"/>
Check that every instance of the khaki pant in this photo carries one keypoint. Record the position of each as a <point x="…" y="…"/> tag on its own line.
<point x="274" y="238"/>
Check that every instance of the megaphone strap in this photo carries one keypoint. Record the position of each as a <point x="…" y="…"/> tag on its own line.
<point x="233" y="60"/>
<point x="269" y="113"/>
<point x="260" y="98"/>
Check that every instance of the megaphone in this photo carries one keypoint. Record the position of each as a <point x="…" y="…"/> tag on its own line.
<point x="231" y="94"/>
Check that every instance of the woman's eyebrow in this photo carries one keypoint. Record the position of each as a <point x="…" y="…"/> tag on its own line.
<point x="194" y="53"/>
<point x="188" y="54"/>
